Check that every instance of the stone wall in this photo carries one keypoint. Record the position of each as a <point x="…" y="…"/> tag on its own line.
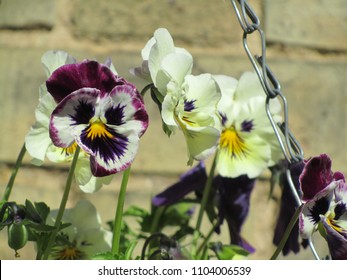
<point x="307" y="50"/>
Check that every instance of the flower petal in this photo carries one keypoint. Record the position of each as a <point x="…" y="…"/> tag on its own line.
<point x="87" y="74"/>
<point x="234" y="202"/>
<point x="251" y="162"/>
<point x="37" y="139"/>
<point x="176" y="67"/>
<point x="193" y="180"/>
<point x="337" y="243"/>
<point x="314" y="208"/>
<point x="287" y="210"/>
<point x="72" y="115"/>
<point x="52" y="60"/>
<point x="204" y="90"/>
<point x="114" y="148"/>
<point x="316" y="176"/>
<point x="201" y="142"/>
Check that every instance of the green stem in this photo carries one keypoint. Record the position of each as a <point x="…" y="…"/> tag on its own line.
<point x="203" y="245"/>
<point x="146" y="88"/>
<point x="10" y="183"/>
<point x="119" y="213"/>
<point x="156" y="219"/>
<point x="204" y="200"/>
<point x="287" y="233"/>
<point x="62" y="205"/>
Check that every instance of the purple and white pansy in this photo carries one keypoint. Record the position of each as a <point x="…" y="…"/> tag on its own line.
<point x="100" y="112"/>
<point x="324" y="193"/>
<point x="89" y="105"/>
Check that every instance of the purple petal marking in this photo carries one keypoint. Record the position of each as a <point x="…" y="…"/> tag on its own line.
<point x="87" y="74"/>
<point x="224" y="118"/>
<point x="247" y="126"/>
<point x="136" y="102"/>
<point x="337" y="243"/>
<point x="316" y="176"/>
<point x="78" y="106"/>
<point x="189" y="105"/>
<point x="192" y="180"/>
<point x="234" y="205"/>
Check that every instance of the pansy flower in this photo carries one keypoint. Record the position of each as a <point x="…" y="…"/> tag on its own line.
<point x="247" y="144"/>
<point x="232" y="196"/>
<point x="67" y="77"/>
<point x="84" y="238"/>
<point x="325" y="197"/>
<point x="37" y="141"/>
<point x="98" y="111"/>
<point x="187" y="102"/>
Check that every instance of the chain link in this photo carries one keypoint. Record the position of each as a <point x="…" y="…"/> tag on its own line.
<point x="290" y="147"/>
<point x="250" y="24"/>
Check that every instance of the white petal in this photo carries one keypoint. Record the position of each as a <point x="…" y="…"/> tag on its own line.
<point x="167" y="112"/>
<point x="95" y="183"/>
<point x="252" y="164"/>
<point x="201" y="143"/>
<point x="204" y="90"/>
<point x="249" y="86"/>
<point x="147" y="49"/>
<point x="52" y="60"/>
<point x="162" y="47"/>
<point x="177" y="66"/>
<point x="37" y="142"/>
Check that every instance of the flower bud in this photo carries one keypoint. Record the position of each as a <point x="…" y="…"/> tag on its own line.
<point x="17" y="236"/>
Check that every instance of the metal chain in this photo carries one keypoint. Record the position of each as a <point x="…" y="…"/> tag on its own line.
<point x="290" y="147"/>
<point x="250" y="24"/>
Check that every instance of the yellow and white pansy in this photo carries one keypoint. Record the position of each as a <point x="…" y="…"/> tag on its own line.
<point x="247" y="144"/>
<point x="187" y="102"/>
<point x="84" y="237"/>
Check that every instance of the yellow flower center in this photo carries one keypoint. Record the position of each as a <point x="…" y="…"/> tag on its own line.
<point x="70" y="150"/>
<point x="68" y="253"/>
<point x="233" y="143"/>
<point x="98" y="129"/>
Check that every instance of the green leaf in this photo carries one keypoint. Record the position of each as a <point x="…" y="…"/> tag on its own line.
<point x="136" y="211"/>
<point x="108" y="256"/>
<point x="228" y="252"/>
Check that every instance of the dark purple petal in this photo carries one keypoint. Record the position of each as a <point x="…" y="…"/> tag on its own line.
<point x="316" y="176"/>
<point x="87" y="74"/>
<point x="193" y="180"/>
<point x="337" y="243"/>
<point x="234" y="205"/>
<point x="287" y="210"/>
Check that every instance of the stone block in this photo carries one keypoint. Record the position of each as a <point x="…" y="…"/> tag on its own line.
<point x="316" y="95"/>
<point x="314" y="24"/>
<point x="22" y="14"/>
<point x="197" y="22"/>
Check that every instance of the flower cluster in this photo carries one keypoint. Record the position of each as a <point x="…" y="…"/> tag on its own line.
<point x="88" y="105"/>
<point x="90" y="116"/>
<point x="213" y="111"/>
